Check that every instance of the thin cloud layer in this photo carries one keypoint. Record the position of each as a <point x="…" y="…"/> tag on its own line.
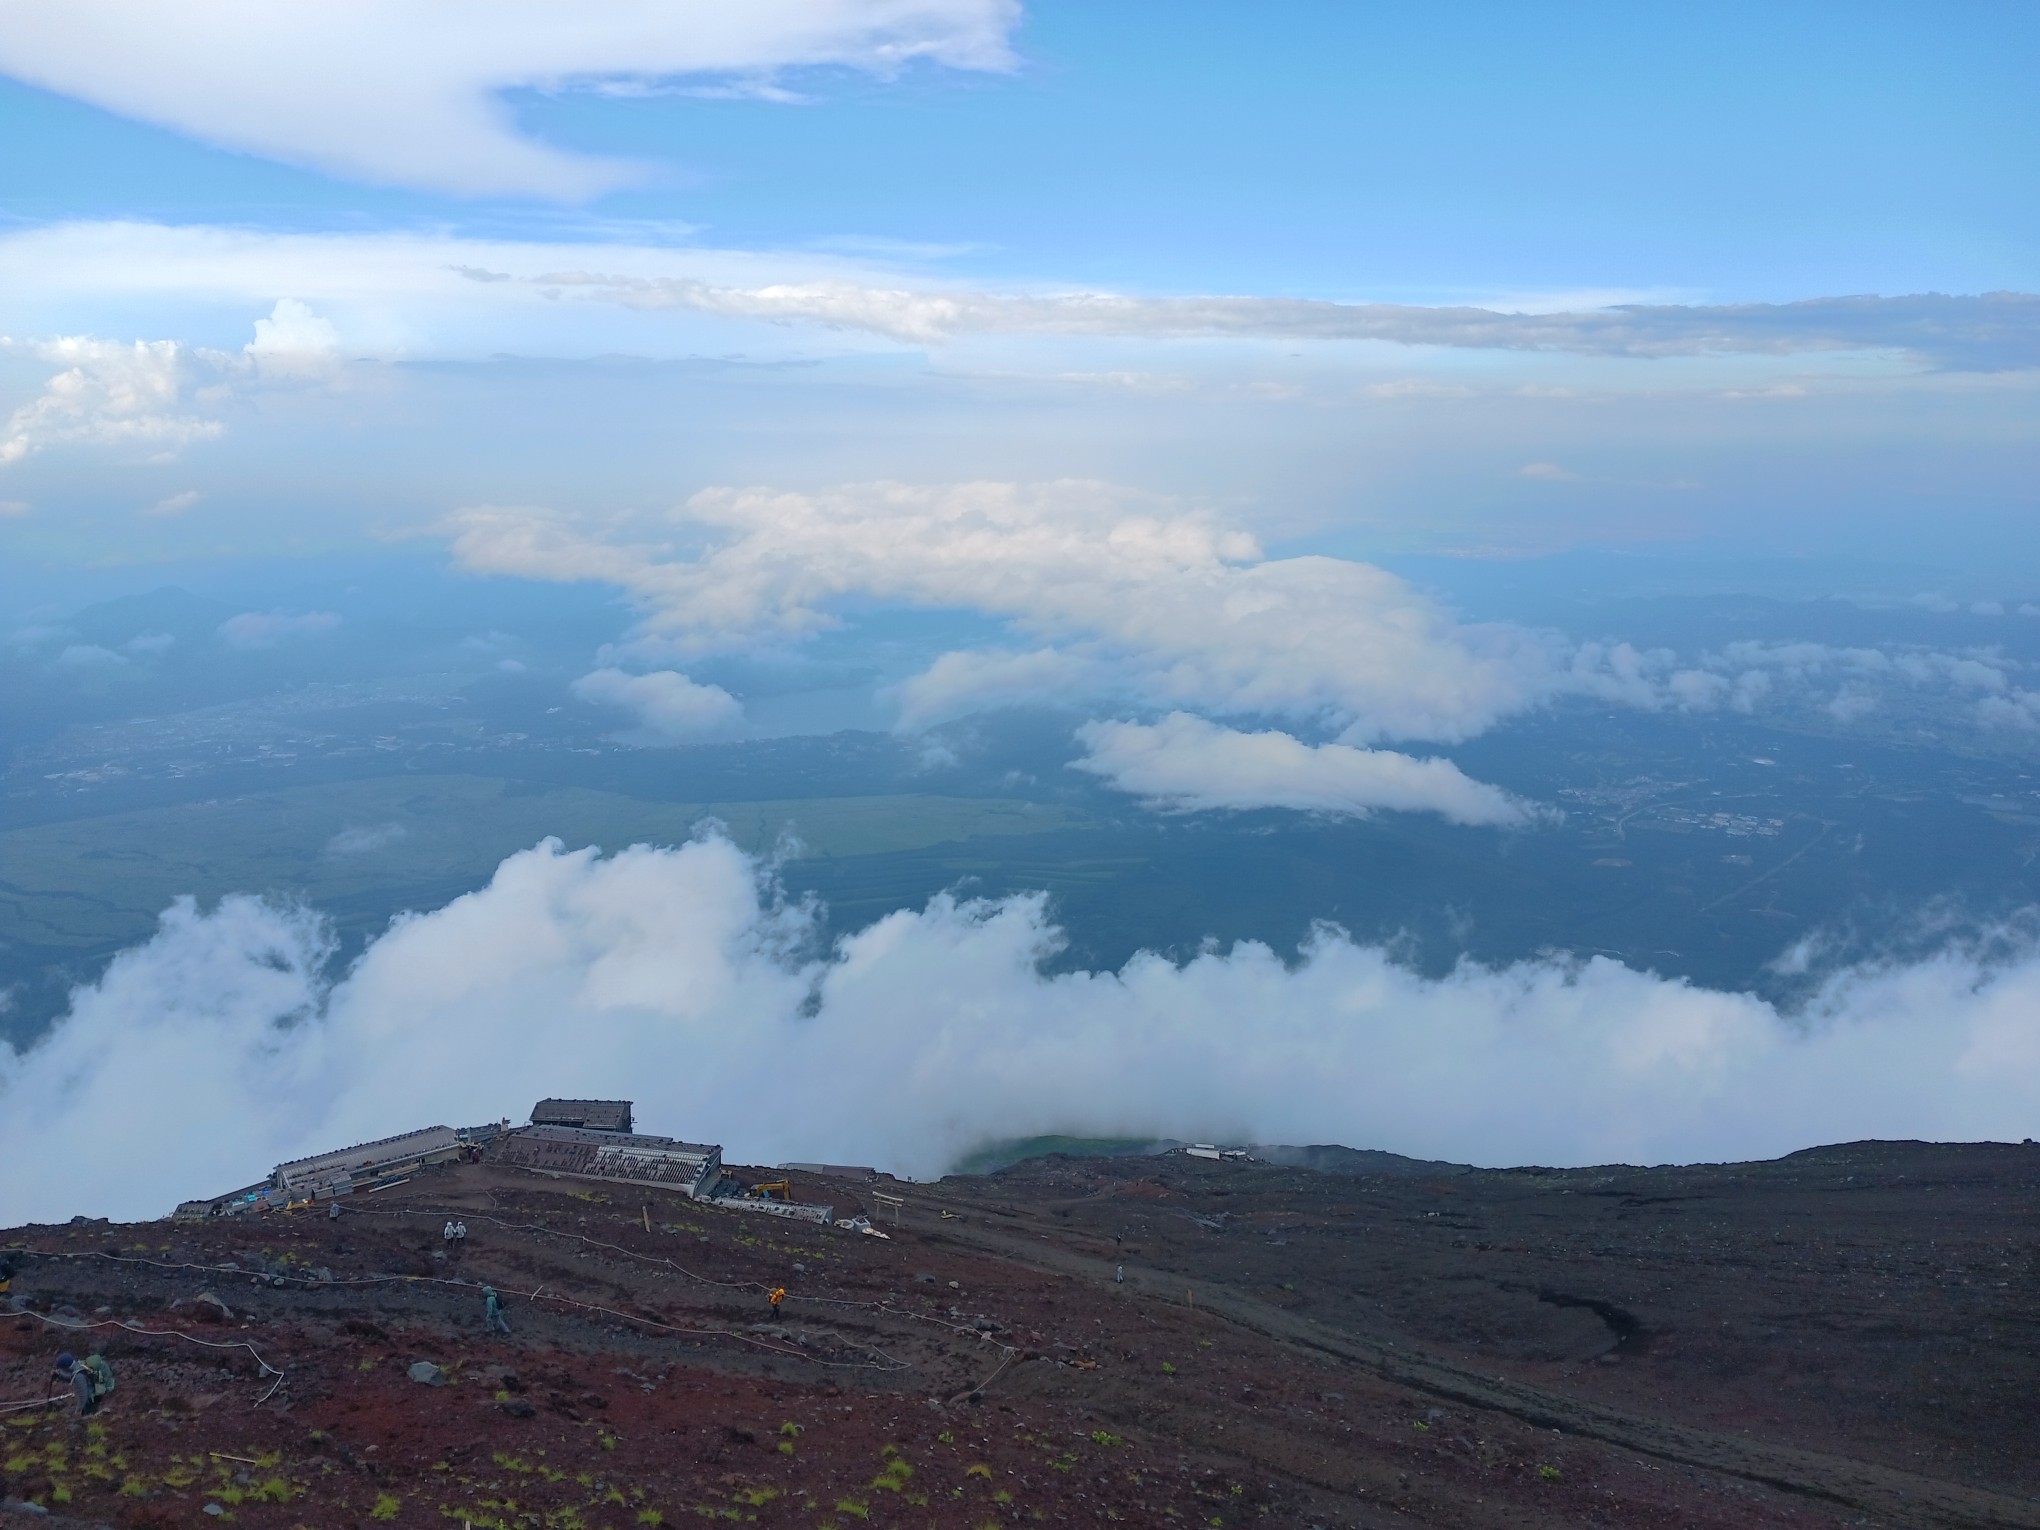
<point x="409" y="94"/>
<point x="675" y="977"/>
<point x="1185" y="764"/>
<point x="406" y="293"/>
<point x="266" y="629"/>
<point x="1988" y="332"/>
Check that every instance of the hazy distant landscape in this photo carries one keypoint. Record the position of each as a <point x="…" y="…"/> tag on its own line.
<point x="1089" y="764"/>
<point x="1699" y="846"/>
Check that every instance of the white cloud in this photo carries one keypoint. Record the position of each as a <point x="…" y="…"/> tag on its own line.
<point x="174" y="504"/>
<point x="265" y="629"/>
<point x="1182" y="609"/>
<point x="958" y="684"/>
<point x="2021" y="709"/>
<point x="1852" y="703"/>
<point x="105" y="394"/>
<point x="11" y="508"/>
<point x="293" y="339"/>
<point x="408" y="93"/>
<point x="89" y="658"/>
<point x="667" y="705"/>
<point x="1122" y="601"/>
<point x="1845" y="683"/>
<point x="366" y="839"/>
<point x="406" y="293"/>
<point x="1995" y="330"/>
<point x="672" y="976"/>
<point x="1186" y="764"/>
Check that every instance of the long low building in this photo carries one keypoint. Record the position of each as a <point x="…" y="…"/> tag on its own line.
<point x="627" y="1157"/>
<point x="364" y="1166"/>
<point x="346" y="1169"/>
<point x="579" y="1151"/>
<point x="693" y="1168"/>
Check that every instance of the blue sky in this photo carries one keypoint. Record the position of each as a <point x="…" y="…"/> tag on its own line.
<point x="1257" y="391"/>
<point x="1473" y="283"/>
<point x="1765" y="152"/>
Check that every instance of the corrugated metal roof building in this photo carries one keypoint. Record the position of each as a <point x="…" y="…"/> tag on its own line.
<point x="693" y="1167"/>
<point x="365" y="1162"/>
<point x="588" y="1115"/>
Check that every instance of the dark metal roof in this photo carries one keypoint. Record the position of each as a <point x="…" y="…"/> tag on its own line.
<point x="609" y="1155"/>
<point x="426" y="1140"/>
<point x="591" y="1115"/>
<point x="833" y="1170"/>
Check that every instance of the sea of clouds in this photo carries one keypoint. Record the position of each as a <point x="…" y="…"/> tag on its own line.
<point x="679" y="977"/>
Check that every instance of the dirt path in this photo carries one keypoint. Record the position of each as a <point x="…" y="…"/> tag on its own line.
<point x="1904" y="1497"/>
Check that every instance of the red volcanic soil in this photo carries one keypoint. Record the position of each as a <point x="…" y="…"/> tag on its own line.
<point x="1844" y="1337"/>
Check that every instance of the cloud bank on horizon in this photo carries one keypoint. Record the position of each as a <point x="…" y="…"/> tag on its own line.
<point x="679" y="978"/>
<point x="406" y="293"/>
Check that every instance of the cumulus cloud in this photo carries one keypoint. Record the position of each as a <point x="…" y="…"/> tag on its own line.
<point x="666" y="704"/>
<point x="105" y="393"/>
<point x="293" y="339"/>
<point x="2020" y="709"/>
<point x="1185" y="764"/>
<point x="1846" y="684"/>
<point x="407" y="94"/>
<point x="678" y="978"/>
<point x="1181" y="609"/>
<point x="265" y="629"/>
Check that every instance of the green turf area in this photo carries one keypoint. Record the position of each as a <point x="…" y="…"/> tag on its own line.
<point x="88" y="882"/>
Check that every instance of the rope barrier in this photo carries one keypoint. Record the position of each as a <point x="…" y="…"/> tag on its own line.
<point x="891" y="1362"/>
<point x="464" y="1285"/>
<point x="659" y="1259"/>
<point x="80" y="1324"/>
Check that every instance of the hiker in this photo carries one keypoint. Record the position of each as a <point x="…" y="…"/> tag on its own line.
<point x="1119" y="1275"/>
<point x="93" y="1380"/>
<point x="446" y="1235"/>
<point x="778" y="1295"/>
<point x="492" y="1311"/>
